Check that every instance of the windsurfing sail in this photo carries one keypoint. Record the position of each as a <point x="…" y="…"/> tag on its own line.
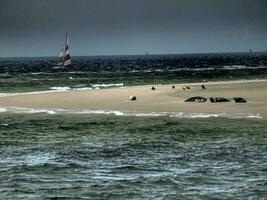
<point x="67" y="60"/>
<point x="60" y="60"/>
<point x="64" y="56"/>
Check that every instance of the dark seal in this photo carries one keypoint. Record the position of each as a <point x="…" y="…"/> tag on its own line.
<point x="239" y="100"/>
<point x="196" y="99"/>
<point x="218" y="99"/>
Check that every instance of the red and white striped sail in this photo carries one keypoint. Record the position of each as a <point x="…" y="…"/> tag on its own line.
<point x="64" y="56"/>
<point x="60" y="60"/>
<point x="67" y="60"/>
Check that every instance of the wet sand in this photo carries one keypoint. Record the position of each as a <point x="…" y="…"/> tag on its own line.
<point x="163" y="99"/>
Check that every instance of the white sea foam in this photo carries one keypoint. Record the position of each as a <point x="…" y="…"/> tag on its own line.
<point x="30" y="159"/>
<point x="172" y="70"/>
<point x="238" y="67"/>
<point x="191" y="69"/>
<point x="80" y="85"/>
<point x="75" y="72"/>
<point x="65" y="88"/>
<point x="202" y="115"/>
<point x="51" y="111"/>
<point x="37" y="73"/>
<point x="83" y="88"/>
<point x="258" y="116"/>
<point x="135" y="71"/>
<point x="159" y="70"/>
<point x="60" y="88"/>
<point x="3" y="109"/>
<point x="25" y="93"/>
<point x="233" y="67"/>
<point x="107" y="85"/>
<point x="106" y="112"/>
<point x="38" y="159"/>
<point x="53" y="89"/>
<point x="152" y="114"/>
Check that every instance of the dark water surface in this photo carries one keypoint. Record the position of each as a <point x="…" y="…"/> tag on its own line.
<point x="38" y="74"/>
<point x="111" y="157"/>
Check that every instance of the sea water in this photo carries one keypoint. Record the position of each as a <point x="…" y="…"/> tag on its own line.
<point x="117" y="157"/>
<point x="85" y="154"/>
<point x="38" y="74"/>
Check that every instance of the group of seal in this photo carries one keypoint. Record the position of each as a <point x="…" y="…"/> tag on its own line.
<point x="200" y="98"/>
<point x="215" y="99"/>
<point x="134" y="98"/>
<point x="222" y="99"/>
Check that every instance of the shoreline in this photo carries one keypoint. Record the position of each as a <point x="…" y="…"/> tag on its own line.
<point x="163" y="99"/>
<point x="125" y="113"/>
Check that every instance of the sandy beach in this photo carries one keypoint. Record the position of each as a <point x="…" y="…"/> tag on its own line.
<point x="163" y="99"/>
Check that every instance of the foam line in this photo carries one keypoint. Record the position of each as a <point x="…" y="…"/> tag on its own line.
<point x="131" y="113"/>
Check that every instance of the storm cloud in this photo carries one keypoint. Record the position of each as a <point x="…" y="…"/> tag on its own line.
<point x="110" y="27"/>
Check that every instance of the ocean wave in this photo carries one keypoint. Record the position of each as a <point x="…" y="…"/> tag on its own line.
<point x="3" y="109"/>
<point x="54" y="111"/>
<point x="135" y="71"/>
<point x="37" y="73"/>
<point x="83" y="88"/>
<point x="107" y="85"/>
<point x="31" y="110"/>
<point x="159" y="70"/>
<point x="38" y="159"/>
<point x="66" y="88"/>
<point x="63" y="89"/>
<point x="25" y="93"/>
<point x="60" y="88"/>
<point x="196" y="69"/>
<point x="239" y="67"/>
<point x="31" y="159"/>
<point x="52" y="89"/>
<point x="148" y="71"/>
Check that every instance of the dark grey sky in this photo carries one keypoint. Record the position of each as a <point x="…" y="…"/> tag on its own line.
<point x="108" y="27"/>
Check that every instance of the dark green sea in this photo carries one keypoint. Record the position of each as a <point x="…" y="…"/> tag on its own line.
<point x="106" y="157"/>
<point x="39" y="74"/>
<point x="84" y="154"/>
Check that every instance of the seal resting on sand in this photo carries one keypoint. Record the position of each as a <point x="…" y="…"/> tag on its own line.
<point x="132" y="98"/>
<point x="186" y="87"/>
<point x="153" y="88"/>
<point x="173" y="87"/>
<point x="239" y="100"/>
<point x="218" y="99"/>
<point x="196" y="99"/>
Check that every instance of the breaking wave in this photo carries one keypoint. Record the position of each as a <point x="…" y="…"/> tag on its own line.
<point x="66" y="88"/>
<point x="107" y="85"/>
<point x="190" y="69"/>
<point x="239" y="67"/>
<point x="60" y="88"/>
<point x="53" y="111"/>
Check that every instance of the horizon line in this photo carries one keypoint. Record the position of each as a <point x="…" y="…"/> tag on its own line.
<point x="149" y="54"/>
